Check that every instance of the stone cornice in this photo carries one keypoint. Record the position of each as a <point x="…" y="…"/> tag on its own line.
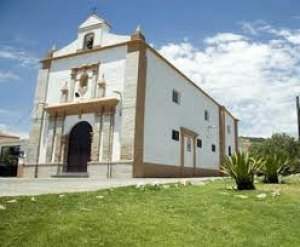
<point x="87" y="106"/>
<point x="82" y="52"/>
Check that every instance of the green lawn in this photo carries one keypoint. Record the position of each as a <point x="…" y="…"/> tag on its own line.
<point x="207" y="215"/>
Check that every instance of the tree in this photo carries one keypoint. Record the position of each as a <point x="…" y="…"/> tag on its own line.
<point x="278" y="143"/>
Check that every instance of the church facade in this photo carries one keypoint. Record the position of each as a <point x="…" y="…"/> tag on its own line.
<point x="109" y="105"/>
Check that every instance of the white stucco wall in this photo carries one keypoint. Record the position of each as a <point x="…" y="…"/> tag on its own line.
<point x="229" y="134"/>
<point x="162" y="116"/>
<point x="112" y="66"/>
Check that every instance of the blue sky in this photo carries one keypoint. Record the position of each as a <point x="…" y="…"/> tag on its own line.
<point x="220" y="44"/>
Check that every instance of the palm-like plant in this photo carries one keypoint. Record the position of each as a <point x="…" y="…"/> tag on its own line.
<point x="273" y="166"/>
<point x="241" y="167"/>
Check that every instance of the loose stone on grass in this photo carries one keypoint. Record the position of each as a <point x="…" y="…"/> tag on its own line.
<point x="185" y="182"/>
<point x="99" y="197"/>
<point x="276" y="193"/>
<point x="155" y="183"/>
<point x="198" y="183"/>
<point x="241" y="196"/>
<point x="224" y="193"/>
<point x="12" y="201"/>
<point x="153" y="186"/>
<point x="140" y="186"/>
<point x="166" y="186"/>
<point x="2" y="207"/>
<point x="85" y="209"/>
<point x="261" y="196"/>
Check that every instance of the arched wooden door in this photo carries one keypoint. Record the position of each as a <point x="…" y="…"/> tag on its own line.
<point x="79" y="147"/>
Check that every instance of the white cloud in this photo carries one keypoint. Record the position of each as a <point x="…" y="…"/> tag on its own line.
<point x="258" y="27"/>
<point x="224" y="37"/>
<point x="12" y="57"/>
<point x="8" y="76"/>
<point x="22" y="57"/>
<point x="257" y="79"/>
<point x="291" y="36"/>
<point x="248" y="28"/>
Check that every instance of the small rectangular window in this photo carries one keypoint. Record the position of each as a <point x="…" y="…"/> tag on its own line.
<point x="175" y="135"/>
<point x="189" y="145"/>
<point x="229" y="150"/>
<point x="213" y="147"/>
<point x="206" y="115"/>
<point x="199" y="143"/>
<point x="176" y="97"/>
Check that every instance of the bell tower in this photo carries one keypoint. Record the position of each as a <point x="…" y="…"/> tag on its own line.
<point x="90" y="32"/>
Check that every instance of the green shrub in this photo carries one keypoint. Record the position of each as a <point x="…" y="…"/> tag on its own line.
<point x="241" y="167"/>
<point x="273" y="166"/>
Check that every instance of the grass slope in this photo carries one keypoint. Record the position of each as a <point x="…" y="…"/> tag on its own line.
<point x="208" y="215"/>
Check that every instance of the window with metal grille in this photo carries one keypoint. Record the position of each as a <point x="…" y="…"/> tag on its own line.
<point x="176" y="96"/>
<point x="206" y="115"/>
<point x="199" y="143"/>
<point x="175" y="135"/>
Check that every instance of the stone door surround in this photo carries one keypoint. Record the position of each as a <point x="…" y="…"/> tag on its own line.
<point x="184" y="132"/>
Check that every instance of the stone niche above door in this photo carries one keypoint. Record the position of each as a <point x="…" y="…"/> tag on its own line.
<point x="84" y="82"/>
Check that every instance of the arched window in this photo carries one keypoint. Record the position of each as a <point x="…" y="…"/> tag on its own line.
<point x="88" y="41"/>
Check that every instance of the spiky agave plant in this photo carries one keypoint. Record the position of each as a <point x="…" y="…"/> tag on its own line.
<point x="273" y="166"/>
<point x="241" y="167"/>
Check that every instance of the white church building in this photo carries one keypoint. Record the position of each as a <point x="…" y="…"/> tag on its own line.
<point x="109" y="105"/>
